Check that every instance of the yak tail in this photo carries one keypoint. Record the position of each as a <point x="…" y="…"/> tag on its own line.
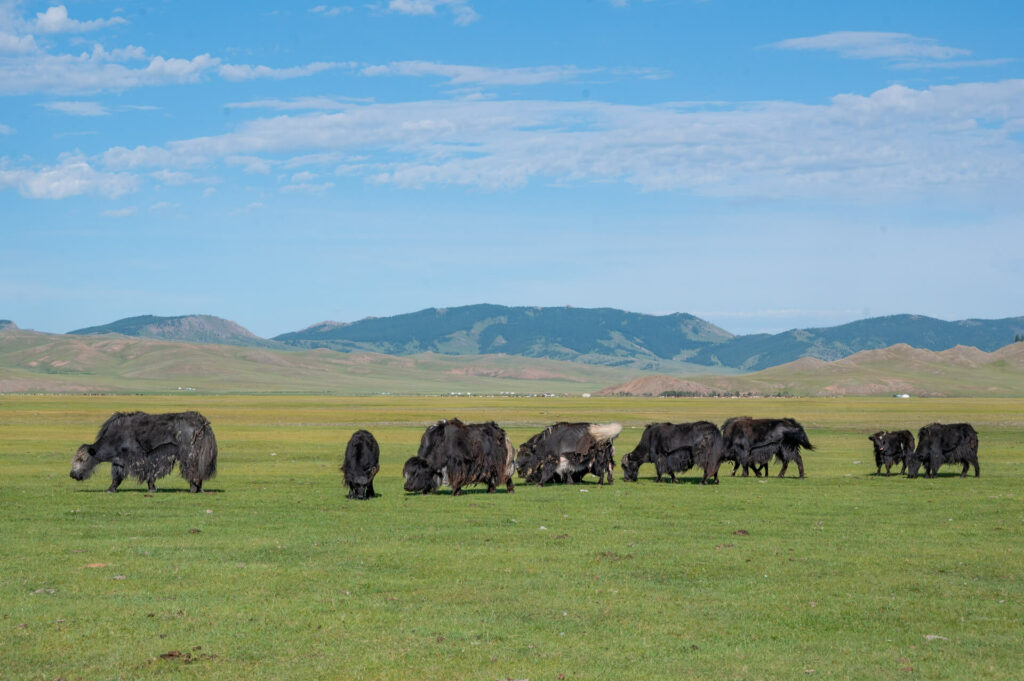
<point x="604" y="432"/>
<point x="510" y="458"/>
<point x="201" y="461"/>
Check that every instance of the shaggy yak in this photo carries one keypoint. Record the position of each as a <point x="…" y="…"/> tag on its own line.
<point x="751" y="443"/>
<point x="565" y="452"/>
<point x="461" y="455"/>
<point x="146" y="447"/>
<point x="362" y="461"/>
<point x="676" y="448"/>
<point x="938" y="444"/>
<point x="891" y="447"/>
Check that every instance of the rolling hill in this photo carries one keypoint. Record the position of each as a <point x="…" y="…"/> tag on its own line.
<point x="899" y="369"/>
<point x="109" y="363"/>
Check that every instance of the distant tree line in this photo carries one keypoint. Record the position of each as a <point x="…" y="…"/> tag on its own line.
<point x="1018" y="338"/>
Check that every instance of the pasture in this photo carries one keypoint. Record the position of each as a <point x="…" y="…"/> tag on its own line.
<point x="274" y="574"/>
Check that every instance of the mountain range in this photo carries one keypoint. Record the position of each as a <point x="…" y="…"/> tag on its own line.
<point x="676" y="343"/>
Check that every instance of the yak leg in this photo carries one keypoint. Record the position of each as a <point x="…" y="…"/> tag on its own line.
<point x="963" y="473"/>
<point x="799" y="464"/>
<point x="369" y="491"/>
<point x="510" y="486"/>
<point x="195" y="485"/>
<point x="746" y="471"/>
<point x="782" y="473"/>
<point x="735" y="467"/>
<point x="152" y="485"/>
<point x="977" y="471"/>
<point x="117" y="474"/>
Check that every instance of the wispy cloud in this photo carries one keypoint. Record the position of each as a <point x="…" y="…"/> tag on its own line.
<point x="895" y="141"/>
<point x="301" y="103"/>
<point x="72" y="176"/>
<point x="77" y="108"/>
<point x="903" y="50"/>
<point x="244" y="72"/>
<point x="56" y="20"/>
<point x="464" y="13"/>
<point x="458" y="74"/>
<point x="125" y="212"/>
<point x="328" y="11"/>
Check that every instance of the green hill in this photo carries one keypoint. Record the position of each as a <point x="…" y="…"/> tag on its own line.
<point x="188" y="328"/>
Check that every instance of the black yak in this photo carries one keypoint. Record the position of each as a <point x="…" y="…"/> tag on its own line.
<point x="464" y="455"/>
<point x="938" y="444"/>
<point x="362" y="461"/>
<point x="676" y="448"/>
<point x="420" y="477"/>
<point x="751" y="443"/>
<point x="890" y="447"/>
<point x="565" y="452"/>
<point x="146" y="447"/>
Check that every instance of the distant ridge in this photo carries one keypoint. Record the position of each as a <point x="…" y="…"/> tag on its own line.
<point x="187" y="328"/>
<point x="7" y="324"/>
<point x="960" y="371"/>
<point x="594" y="336"/>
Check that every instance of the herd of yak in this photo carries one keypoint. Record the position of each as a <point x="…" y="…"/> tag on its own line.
<point x="456" y="454"/>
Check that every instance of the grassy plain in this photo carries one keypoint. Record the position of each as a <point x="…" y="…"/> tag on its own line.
<point x="275" y="575"/>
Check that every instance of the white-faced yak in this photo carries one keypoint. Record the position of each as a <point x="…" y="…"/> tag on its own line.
<point x="565" y="452"/>
<point x="146" y="447"/>
<point x="463" y="455"/>
<point x="362" y="461"/>
<point x="751" y="443"/>
<point x="939" y="444"/>
<point x="890" y="447"/>
<point x="676" y="448"/>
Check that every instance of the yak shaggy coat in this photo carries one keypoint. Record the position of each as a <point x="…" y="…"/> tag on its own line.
<point x="676" y="448"/>
<point x="938" y="444"/>
<point x="468" y="454"/>
<point x="891" y="447"/>
<point x="567" y="451"/>
<point x="146" y="447"/>
<point x="362" y="461"/>
<point x="752" y="443"/>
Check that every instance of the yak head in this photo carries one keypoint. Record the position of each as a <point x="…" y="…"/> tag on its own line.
<point x="878" y="439"/>
<point x="359" y="483"/>
<point x="631" y="464"/>
<point x="420" y="477"/>
<point x="83" y="462"/>
<point x="913" y="465"/>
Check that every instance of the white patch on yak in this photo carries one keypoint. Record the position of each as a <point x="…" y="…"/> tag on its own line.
<point x="604" y="432"/>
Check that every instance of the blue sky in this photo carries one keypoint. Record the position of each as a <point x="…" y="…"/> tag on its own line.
<point x="762" y="165"/>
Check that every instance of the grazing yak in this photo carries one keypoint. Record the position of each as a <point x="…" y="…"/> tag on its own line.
<point x="146" y="447"/>
<point x="565" y="452"/>
<point x="938" y="444"/>
<point x="890" y="447"/>
<point x="361" y="463"/>
<point x="751" y="443"/>
<point x="676" y="448"/>
<point x="461" y="455"/>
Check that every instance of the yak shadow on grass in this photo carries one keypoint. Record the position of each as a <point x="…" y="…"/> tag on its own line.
<point x="144" y="491"/>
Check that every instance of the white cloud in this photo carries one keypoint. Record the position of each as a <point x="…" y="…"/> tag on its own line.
<point x="480" y="75"/>
<point x="903" y="49"/>
<point x="6" y="129"/>
<point x="56" y="20"/>
<point x="95" y="72"/>
<point x="244" y="72"/>
<point x="72" y="176"/>
<point x="77" y="108"/>
<point x="13" y="43"/>
<point x="128" y="211"/>
<point x="943" y="139"/>
<point x="301" y="103"/>
<point x="307" y="188"/>
<point x="464" y="14"/>
<point x="329" y="11"/>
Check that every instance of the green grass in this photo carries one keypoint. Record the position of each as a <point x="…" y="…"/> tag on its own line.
<point x="843" y="573"/>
